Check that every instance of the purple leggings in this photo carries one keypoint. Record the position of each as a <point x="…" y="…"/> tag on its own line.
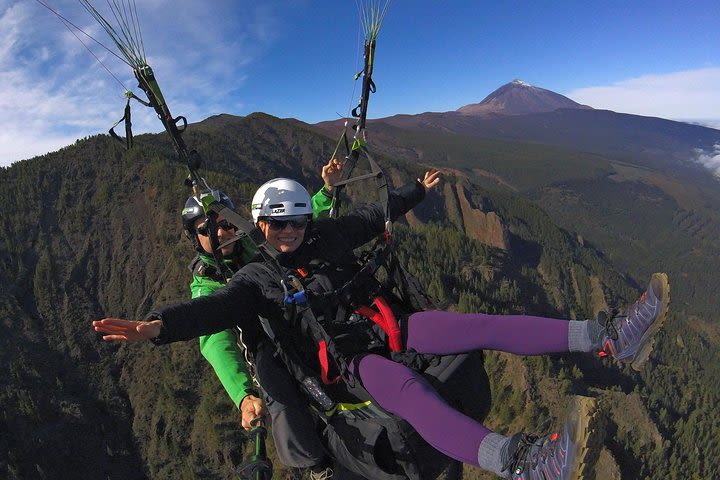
<point x="403" y="392"/>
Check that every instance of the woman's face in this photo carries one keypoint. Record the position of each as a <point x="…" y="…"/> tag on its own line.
<point x="285" y="234"/>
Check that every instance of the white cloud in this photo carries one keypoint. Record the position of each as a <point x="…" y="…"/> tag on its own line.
<point x="54" y="91"/>
<point x="11" y="22"/>
<point x="691" y="94"/>
<point x="711" y="123"/>
<point x="710" y="159"/>
<point x="23" y="144"/>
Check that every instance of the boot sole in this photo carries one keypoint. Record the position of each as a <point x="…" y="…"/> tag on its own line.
<point x="642" y="356"/>
<point x="589" y="437"/>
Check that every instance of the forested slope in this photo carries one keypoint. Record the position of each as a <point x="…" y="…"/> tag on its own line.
<point x="92" y="231"/>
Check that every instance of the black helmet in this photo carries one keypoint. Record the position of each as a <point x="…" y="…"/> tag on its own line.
<point x="194" y="210"/>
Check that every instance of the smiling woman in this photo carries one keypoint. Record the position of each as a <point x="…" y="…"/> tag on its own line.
<point x="282" y="209"/>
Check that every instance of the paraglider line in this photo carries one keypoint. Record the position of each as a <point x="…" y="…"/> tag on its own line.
<point x="68" y="23"/>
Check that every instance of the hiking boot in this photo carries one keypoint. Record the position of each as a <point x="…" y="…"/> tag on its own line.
<point x="324" y="474"/>
<point x="569" y="453"/>
<point x="630" y="337"/>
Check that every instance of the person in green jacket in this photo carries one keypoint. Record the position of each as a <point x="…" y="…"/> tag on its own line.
<point x="222" y="349"/>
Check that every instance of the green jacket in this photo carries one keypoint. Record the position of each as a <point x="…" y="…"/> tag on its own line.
<point x="221" y="349"/>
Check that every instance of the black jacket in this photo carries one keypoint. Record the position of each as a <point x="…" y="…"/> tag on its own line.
<point x="255" y="290"/>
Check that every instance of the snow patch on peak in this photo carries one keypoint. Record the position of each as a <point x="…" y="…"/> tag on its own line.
<point x="520" y="83"/>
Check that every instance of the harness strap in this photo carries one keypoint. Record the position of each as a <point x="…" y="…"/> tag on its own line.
<point x="368" y="86"/>
<point x="127" y="118"/>
<point x="289" y="355"/>
<point x="386" y="320"/>
<point x="128" y="127"/>
<point x="326" y="344"/>
<point x="325" y="364"/>
<point x="376" y="259"/>
<point x="199" y="268"/>
<point x="375" y="172"/>
<point x="411" y="291"/>
<point x="297" y="368"/>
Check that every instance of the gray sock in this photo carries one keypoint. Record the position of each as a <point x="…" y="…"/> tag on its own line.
<point x="584" y="335"/>
<point x="491" y="453"/>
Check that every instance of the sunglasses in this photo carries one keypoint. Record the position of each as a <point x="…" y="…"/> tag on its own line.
<point x="297" y="222"/>
<point x="202" y="229"/>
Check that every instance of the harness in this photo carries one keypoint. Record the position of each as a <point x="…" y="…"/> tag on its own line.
<point x="361" y="302"/>
<point x="352" y="419"/>
<point x="200" y="268"/>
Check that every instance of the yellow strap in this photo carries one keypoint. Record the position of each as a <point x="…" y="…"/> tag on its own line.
<point x="347" y="407"/>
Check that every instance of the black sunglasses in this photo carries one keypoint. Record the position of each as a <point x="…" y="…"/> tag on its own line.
<point x="298" y="222"/>
<point x="202" y="229"/>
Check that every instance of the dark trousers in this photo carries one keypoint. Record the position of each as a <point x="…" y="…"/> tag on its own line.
<point x="293" y="424"/>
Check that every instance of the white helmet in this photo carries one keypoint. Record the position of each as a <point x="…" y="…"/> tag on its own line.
<point x="281" y="197"/>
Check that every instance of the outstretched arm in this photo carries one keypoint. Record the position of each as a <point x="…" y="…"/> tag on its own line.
<point x="363" y="224"/>
<point x="235" y="304"/>
<point x="119" y="330"/>
<point x="407" y="197"/>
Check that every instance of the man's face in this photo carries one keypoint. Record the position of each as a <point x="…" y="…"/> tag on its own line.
<point x="225" y="231"/>
<point x="285" y="234"/>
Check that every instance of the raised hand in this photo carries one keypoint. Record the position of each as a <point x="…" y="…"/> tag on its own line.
<point x="431" y="179"/>
<point x="331" y="173"/>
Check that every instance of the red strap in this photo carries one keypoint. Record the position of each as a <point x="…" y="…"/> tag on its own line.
<point x="391" y="325"/>
<point x="368" y="312"/>
<point x="324" y="364"/>
<point x="385" y="319"/>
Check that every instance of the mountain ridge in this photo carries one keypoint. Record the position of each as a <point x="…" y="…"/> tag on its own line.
<point x="519" y="112"/>
<point x="519" y="98"/>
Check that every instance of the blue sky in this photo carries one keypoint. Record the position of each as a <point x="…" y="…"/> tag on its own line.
<point x="296" y="58"/>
